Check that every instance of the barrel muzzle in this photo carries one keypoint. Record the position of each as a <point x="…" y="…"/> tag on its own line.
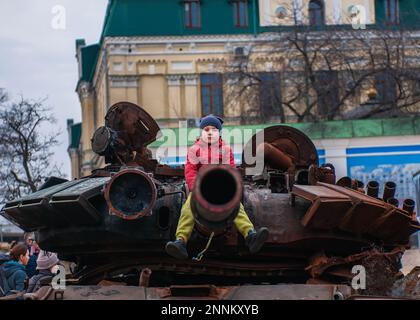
<point x="216" y="196"/>
<point x="345" y="182"/>
<point x="130" y="194"/>
<point x="357" y="185"/>
<point x="394" y="202"/>
<point x="389" y="190"/>
<point x="373" y="189"/>
<point x="408" y="205"/>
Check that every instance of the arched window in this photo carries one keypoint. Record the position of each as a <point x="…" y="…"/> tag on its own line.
<point x="316" y="13"/>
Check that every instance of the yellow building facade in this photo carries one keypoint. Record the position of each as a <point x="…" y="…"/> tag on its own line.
<point x="176" y="72"/>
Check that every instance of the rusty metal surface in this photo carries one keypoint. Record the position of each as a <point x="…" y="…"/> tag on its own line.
<point x="134" y="125"/>
<point x="275" y="157"/>
<point x="352" y="211"/>
<point x="290" y="141"/>
<point x="124" y="138"/>
<point x="328" y="206"/>
<point x="291" y="292"/>
<point x="100" y="293"/>
<point x="318" y="229"/>
<point x="325" y="173"/>
<point x="102" y="140"/>
<point x="188" y="292"/>
<point x="205" y="292"/>
<point x="382" y="269"/>
<point x="364" y="212"/>
<point x="321" y="265"/>
<point x="164" y="170"/>
<point x="286" y="228"/>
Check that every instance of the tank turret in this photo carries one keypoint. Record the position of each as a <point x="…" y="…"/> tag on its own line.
<point x="115" y="222"/>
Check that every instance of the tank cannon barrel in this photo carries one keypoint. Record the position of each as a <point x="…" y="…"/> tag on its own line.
<point x="216" y="196"/>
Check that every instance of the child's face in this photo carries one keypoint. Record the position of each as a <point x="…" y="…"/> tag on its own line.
<point x="210" y="134"/>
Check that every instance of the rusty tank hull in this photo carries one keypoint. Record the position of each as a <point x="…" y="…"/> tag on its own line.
<point x="115" y="223"/>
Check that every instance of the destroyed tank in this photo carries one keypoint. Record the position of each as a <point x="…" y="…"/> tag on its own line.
<point x="113" y="224"/>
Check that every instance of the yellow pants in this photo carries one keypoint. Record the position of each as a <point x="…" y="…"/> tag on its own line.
<point x="186" y="221"/>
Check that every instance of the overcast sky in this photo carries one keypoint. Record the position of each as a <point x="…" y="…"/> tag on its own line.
<point x="37" y="56"/>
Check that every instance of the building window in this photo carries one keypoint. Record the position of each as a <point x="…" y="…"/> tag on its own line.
<point x="270" y="95"/>
<point x="212" y="94"/>
<point x="392" y="12"/>
<point x="240" y="13"/>
<point x="316" y="13"/>
<point x="327" y="89"/>
<point x="386" y="86"/>
<point x="192" y="13"/>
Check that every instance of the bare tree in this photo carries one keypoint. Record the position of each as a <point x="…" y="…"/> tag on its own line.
<point x="25" y="151"/>
<point x="326" y="74"/>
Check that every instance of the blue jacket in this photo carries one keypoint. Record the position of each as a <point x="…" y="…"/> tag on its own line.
<point x="15" y="276"/>
<point x="31" y="266"/>
<point x="4" y="258"/>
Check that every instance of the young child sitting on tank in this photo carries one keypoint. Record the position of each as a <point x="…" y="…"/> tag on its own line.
<point x="199" y="155"/>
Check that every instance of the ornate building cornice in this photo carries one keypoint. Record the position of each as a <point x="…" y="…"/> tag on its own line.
<point x="126" y="81"/>
<point x="191" y="79"/>
<point x="174" y="80"/>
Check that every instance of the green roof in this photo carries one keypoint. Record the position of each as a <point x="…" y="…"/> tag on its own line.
<point x="89" y="60"/>
<point x="165" y="17"/>
<point x="316" y="130"/>
<point x="75" y="134"/>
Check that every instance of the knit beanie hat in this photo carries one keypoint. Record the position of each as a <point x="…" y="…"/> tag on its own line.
<point x="211" y="120"/>
<point x="46" y="260"/>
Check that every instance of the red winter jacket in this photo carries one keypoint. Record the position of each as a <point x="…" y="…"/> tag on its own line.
<point x="201" y="154"/>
